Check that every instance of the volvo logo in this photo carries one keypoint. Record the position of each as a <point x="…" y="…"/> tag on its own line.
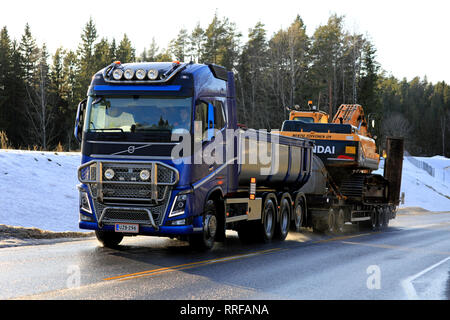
<point x="131" y="149"/>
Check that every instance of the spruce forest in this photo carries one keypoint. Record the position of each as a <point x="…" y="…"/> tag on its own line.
<point x="40" y="91"/>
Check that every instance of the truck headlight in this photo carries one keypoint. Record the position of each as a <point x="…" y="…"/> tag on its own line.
<point x="84" y="202"/>
<point x="144" y="175"/>
<point x="109" y="174"/>
<point x="179" y="206"/>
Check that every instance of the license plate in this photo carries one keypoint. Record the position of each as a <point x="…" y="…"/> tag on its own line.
<point x="126" y="228"/>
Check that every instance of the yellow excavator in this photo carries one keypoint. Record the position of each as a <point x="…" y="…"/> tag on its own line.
<point x="345" y="156"/>
<point x="343" y="142"/>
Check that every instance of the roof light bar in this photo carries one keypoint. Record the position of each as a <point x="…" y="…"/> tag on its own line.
<point x="116" y="73"/>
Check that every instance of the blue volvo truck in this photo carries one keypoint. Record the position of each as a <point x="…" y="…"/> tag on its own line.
<point x="163" y="155"/>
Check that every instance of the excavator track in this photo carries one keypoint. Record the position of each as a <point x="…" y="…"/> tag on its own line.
<point x="365" y="188"/>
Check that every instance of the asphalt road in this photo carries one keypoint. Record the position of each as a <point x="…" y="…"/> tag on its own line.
<point x="411" y="260"/>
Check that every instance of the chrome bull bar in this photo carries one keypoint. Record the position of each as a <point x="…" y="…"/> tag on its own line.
<point x="92" y="173"/>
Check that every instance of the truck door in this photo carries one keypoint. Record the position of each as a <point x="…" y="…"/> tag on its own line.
<point x="209" y="150"/>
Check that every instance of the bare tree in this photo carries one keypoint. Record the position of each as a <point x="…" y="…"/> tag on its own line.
<point x="37" y="108"/>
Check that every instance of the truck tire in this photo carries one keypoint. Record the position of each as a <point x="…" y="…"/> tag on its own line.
<point x="109" y="239"/>
<point x="331" y="221"/>
<point x="282" y="227"/>
<point x="385" y="218"/>
<point x="205" y="240"/>
<point x="269" y="219"/>
<point x="298" y="213"/>
<point x="340" y="221"/>
<point x="380" y="218"/>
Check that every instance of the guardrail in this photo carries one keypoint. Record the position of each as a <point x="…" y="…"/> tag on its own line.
<point x="422" y="165"/>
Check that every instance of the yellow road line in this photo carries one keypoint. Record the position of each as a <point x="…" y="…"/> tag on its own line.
<point x="189" y="265"/>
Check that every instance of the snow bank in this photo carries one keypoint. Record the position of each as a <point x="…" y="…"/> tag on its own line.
<point x="421" y="189"/>
<point x="38" y="189"/>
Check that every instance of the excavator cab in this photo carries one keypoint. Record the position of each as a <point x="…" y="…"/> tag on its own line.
<point x="346" y="142"/>
<point x="309" y="115"/>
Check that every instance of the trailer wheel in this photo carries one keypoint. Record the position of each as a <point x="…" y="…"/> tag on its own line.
<point x="269" y="218"/>
<point x="282" y="228"/>
<point x="109" y="239"/>
<point x="298" y="214"/>
<point x="385" y="218"/>
<point x="206" y="239"/>
<point x="380" y="218"/>
<point x="331" y="221"/>
<point x="340" y="221"/>
<point x="374" y="219"/>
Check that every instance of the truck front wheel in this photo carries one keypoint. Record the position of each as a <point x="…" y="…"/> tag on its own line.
<point x="206" y="239"/>
<point x="109" y="239"/>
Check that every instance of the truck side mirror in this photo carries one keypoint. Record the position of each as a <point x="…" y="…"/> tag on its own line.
<point x="78" y="130"/>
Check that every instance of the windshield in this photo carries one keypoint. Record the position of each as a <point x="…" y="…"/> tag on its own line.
<point x="138" y="114"/>
<point x="304" y="119"/>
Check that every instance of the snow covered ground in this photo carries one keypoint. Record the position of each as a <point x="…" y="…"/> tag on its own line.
<point x="420" y="188"/>
<point x="38" y="189"/>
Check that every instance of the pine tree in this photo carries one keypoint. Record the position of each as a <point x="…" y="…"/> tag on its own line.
<point x="221" y="44"/>
<point x="251" y="78"/>
<point x="102" y="54"/>
<point x="150" y="54"/>
<point x="16" y="96"/>
<point x="113" y="50"/>
<point x="125" y="52"/>
<point x="196" y="43"/>
<point x="178" y="47"/>
<point x="367" y="93"/>
<point x="86" y="62"/>
<point x="30" y="55"/>
<point x="5" y="71"/>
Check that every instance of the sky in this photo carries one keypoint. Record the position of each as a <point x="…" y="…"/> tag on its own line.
<point x="412" y="37"/>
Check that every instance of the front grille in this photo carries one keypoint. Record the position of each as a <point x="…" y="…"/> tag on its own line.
<point x="120" y="215"/>
<point x="139" y="192"/>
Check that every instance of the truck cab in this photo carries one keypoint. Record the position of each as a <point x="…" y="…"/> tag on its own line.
<point x="138" y="172"/>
